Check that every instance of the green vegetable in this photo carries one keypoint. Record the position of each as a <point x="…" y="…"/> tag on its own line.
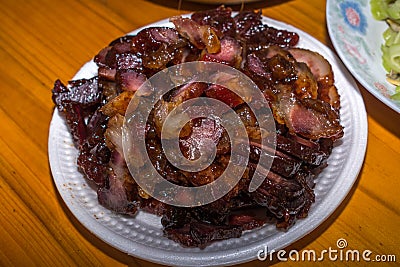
<point x="396" y="96"/>
<point x="394" y="10"/>
<point x="379" y="9"/>
<point x="383" y="9"/>
<point x="389" y="10"/>
<point x="391" y="58"/>
<point x="391" y="37"/>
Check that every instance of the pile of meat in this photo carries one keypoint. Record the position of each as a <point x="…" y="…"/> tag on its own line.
<point x="299" y="87"/>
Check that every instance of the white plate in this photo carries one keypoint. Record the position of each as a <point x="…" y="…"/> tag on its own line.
<point x="357" y="38"/>
<point x="142" y="236"/>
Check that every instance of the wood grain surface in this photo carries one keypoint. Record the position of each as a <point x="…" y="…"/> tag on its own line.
<point x="43" y="40"/>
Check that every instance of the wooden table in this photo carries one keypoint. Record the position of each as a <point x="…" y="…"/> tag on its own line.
<point x="43" y="40"/>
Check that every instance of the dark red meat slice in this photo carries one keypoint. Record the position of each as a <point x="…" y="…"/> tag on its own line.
<point x="130" y="80"/>
<point x="309" y="154"/>
<point x="94" y="155"/>
<point x="76" y="101"/>
<point x="114" y="197"/>
<point x="224" y="94"/>
<point x="150" y="39"/>
<point x="230" y="54"/>
<point x="311" y="118"/>
<point x="84" y="92"/>
<point x="203" y="132"/>
<point x="220" y="19"/>
<point x="247" y="20"/>
<point x="188" y="91"/>
<point x="201" y="36"/>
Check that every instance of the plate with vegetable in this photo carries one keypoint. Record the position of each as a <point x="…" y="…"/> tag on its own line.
<point x="366" y="36"/>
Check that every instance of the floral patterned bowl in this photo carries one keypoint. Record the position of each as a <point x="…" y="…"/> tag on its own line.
<point x="357" y="38"/>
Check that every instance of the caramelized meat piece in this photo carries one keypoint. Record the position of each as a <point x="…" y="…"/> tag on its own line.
<point x="220" y="19"/>
<point x="84" y="92"/>
<point x="311" y="118"/>
<point x="75" y="102"/>
<point x="113" y="195"/>
<point x="260" y="36"/>
<point x="284" y="198"/>
<point x="230" y="53"/>
<point x="247" y="20"/>
<point x="130" y="80"/>
<point x="204" y="132"/>
<point x="201" y="36"/>
<point x="94" y="155"/>
<point x="322" y="71"/>
<point x="224" y="94"/>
